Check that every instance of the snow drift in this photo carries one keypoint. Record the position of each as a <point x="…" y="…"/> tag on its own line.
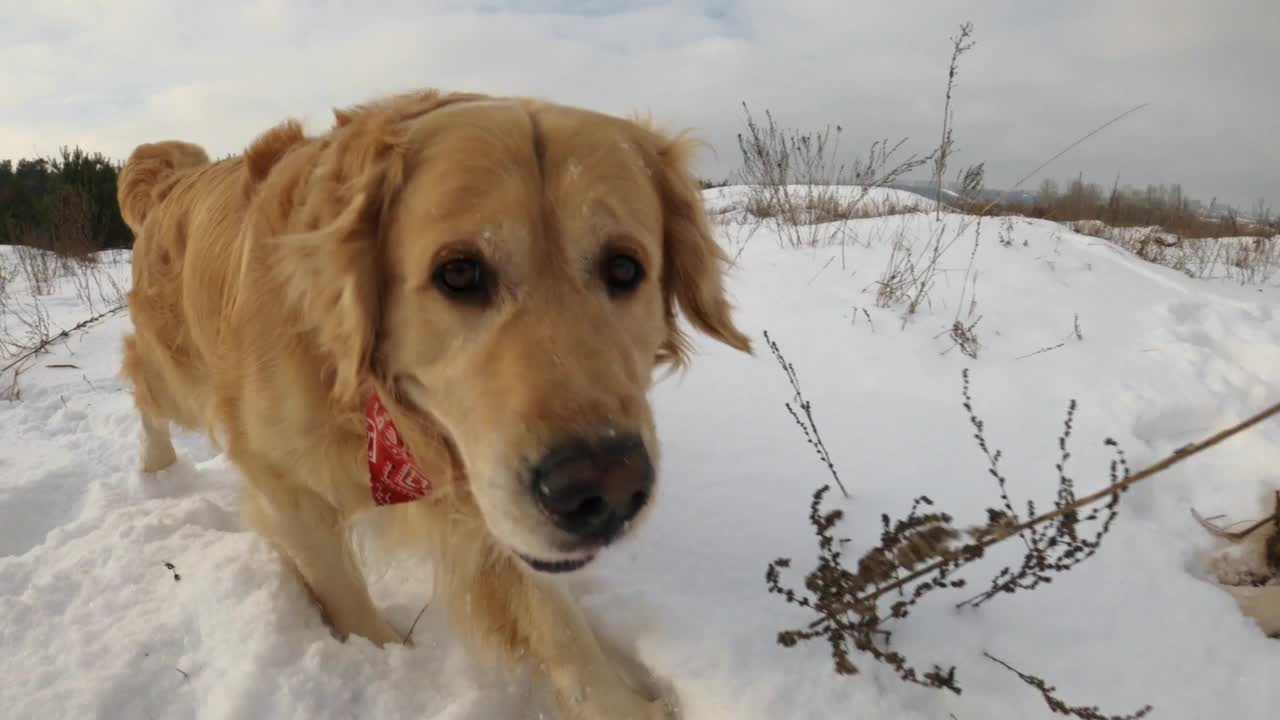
<point x="124" y="596"/>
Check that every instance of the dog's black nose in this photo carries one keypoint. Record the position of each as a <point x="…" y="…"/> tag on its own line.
<point x="590" y="489"/>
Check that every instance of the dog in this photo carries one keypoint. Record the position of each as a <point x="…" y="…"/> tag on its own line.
<point x="448" y="307"/>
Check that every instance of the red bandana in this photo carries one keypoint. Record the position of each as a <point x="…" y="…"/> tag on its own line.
<point x="393" y="478"/>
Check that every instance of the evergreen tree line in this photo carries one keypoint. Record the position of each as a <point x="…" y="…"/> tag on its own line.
<point x="66" y="203"/>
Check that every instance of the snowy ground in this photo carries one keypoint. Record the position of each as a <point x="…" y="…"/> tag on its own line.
<point x="93" y="623"/>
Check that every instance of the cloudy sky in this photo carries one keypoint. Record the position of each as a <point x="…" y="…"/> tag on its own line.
<point x="110" y="74"/>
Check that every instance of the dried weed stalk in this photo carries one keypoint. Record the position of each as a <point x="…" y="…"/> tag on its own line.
<point x="960" y="45"/>
<point x="807" y="425"/>
<point x="1076" y="333"/>
<point x="964" y="334"/>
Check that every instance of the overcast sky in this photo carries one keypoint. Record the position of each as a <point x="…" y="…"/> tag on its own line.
<point x="109" y="75"/>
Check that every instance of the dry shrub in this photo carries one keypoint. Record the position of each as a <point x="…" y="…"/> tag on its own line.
<point x="1254" y="261"/>
<point x="8" y="273"/>
<point x="23" y="325"/>
<point x="911" y="271"/>
<point x="922" y="553"/>
<point x="1163" y="206"/>
<point x="39" y="268"/>
<point x="899" y="273"/>
<point x="1160" y="225"/>
<point x="855" y="606"/>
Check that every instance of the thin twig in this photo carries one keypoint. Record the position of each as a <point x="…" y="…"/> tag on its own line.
<point x="1040" y="351"/>
<point x="824" y="267"/>
<point x="408" y="638"/>
<point x="1239" y="534"/>
<point x="1057" y="705"/>
<point x="1064" y="151"/>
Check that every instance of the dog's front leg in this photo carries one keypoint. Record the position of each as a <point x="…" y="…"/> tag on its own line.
<point x="311" y="534"/>
<point x="521" y="616"/>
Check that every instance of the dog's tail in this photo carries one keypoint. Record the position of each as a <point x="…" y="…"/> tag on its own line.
<point x="147" y="176"/>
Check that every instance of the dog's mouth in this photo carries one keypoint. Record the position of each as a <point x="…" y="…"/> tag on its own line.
<point x="577" y="561"/>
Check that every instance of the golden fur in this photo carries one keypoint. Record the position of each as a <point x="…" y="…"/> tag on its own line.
<point x="274" y="290"/>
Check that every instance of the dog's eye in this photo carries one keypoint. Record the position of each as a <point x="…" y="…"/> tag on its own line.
<point x="463" y="279"/>
<point x="622" y="272"/>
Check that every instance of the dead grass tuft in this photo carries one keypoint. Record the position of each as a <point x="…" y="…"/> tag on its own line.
<point x="797" y="184"/>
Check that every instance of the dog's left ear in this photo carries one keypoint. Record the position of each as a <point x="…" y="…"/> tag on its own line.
<point x="693" y="262"/>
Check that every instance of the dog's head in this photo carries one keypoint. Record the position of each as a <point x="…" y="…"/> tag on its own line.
<point x="510" y="271"/>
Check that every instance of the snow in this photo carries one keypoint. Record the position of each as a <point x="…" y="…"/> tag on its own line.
<point x="93" y="623"/>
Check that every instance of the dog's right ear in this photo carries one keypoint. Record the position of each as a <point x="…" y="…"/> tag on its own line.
<point x="329" y="259"/>
<point x="330" y="276"/>
<point x="694" y="263"/>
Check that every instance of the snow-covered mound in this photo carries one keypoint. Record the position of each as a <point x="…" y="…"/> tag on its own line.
<point x="855" y="200"/>
<point x="94" y="620"/>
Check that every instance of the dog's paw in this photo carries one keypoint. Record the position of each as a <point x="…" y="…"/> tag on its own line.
<point x="663" y="701"/>
<point x="374" y="629"/>
<point x="157" y="454"/>
<point x="667" y="704"/>
<point x="635" y="709"/>
<point x="662" y="709"/>
<point x="657" y="697"/>
<point x="613" y="699"/>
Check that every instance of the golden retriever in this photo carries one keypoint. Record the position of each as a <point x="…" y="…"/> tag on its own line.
<point x="500" y="277"/>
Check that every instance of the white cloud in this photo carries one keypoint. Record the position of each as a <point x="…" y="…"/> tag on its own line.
<point x="108" y="75"/>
